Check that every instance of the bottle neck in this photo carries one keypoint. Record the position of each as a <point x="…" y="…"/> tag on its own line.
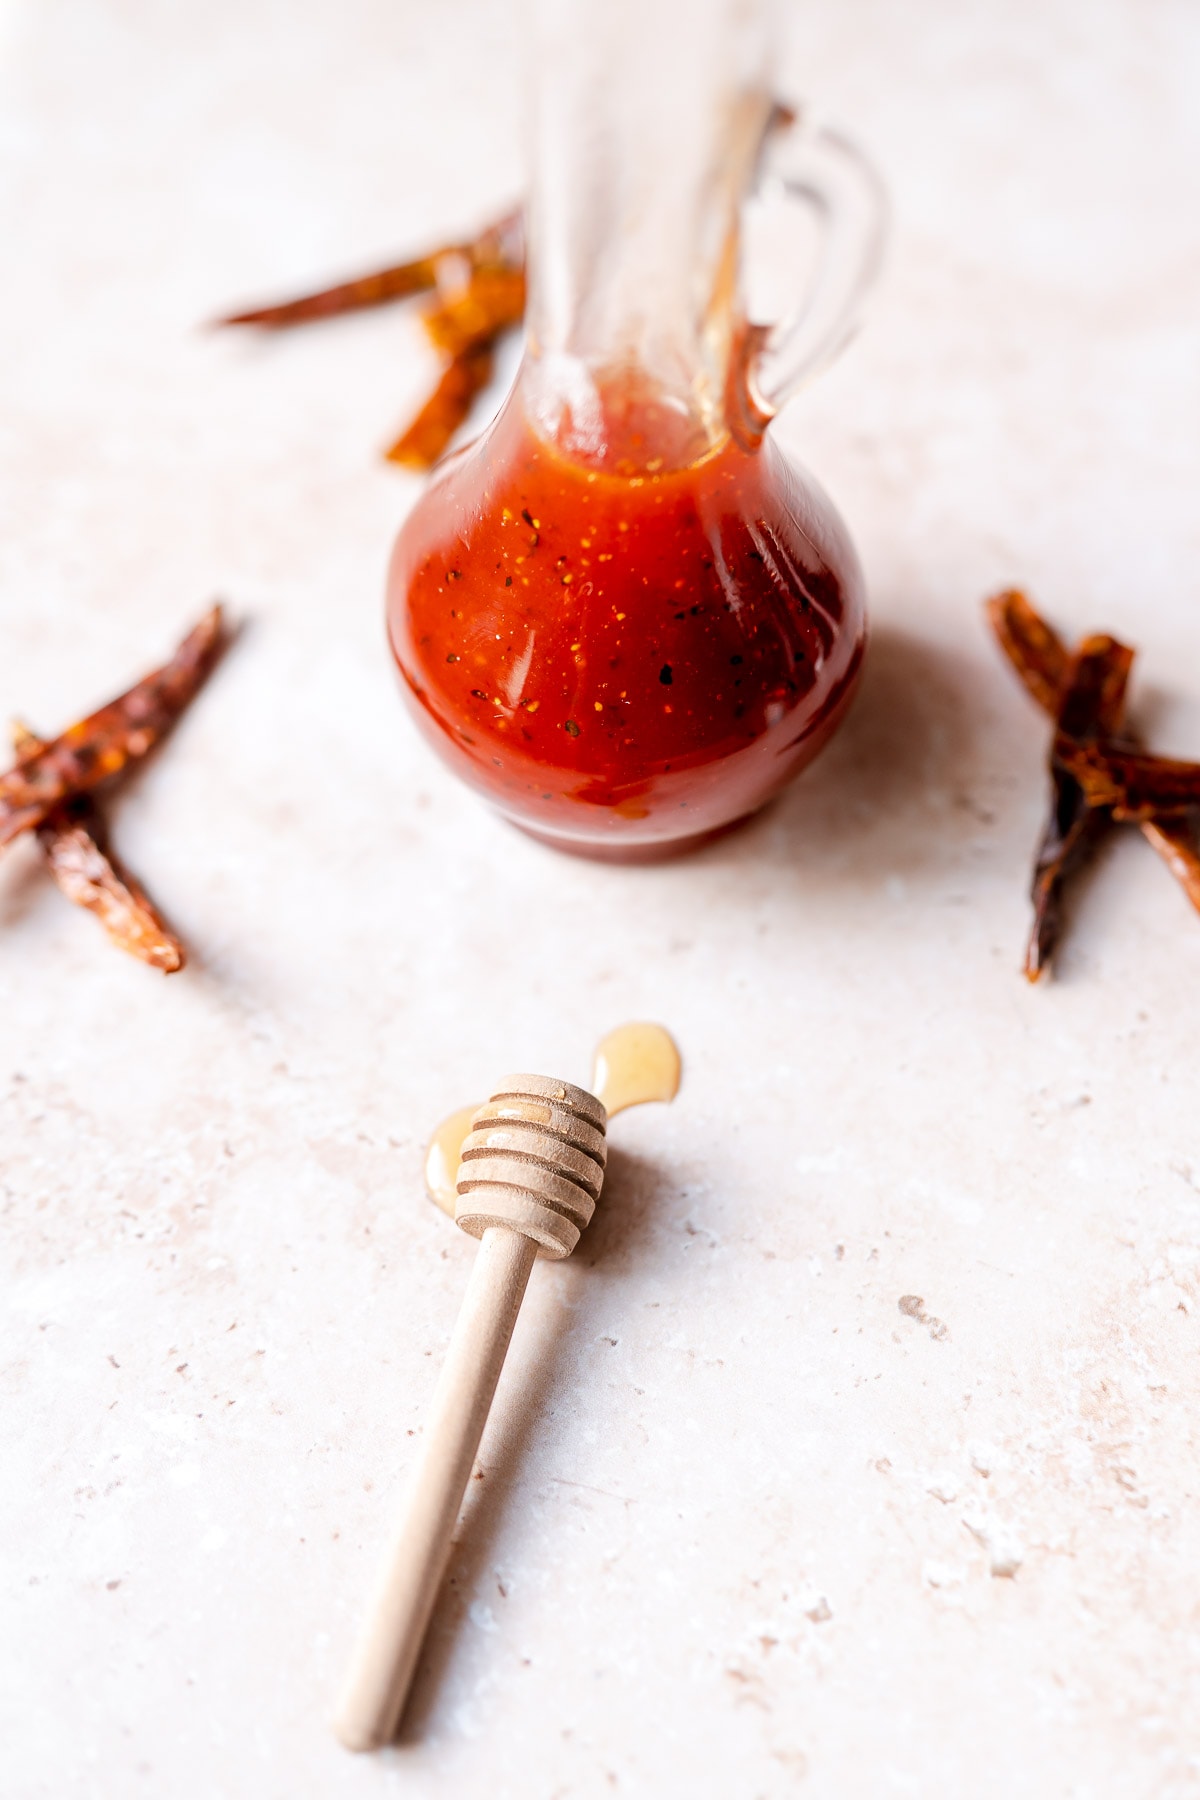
<point x="648" y="122"/>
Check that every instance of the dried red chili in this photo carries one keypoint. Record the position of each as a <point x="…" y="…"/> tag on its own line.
<point x="492" y="302"/>
<point x="499" y="244"/>
<point x="73" y="839"/>
<point x="1090" y="701"/>
<point x="100" y="746"/>
<point x="50" y="791"/>
<point x="424" y="440"/>
<point x="397" y="283"/>
<point x="1033" y="647"/>
<point x="1133" y="784"/>
<point x="467" y="328"/>
<point x="480" y="296"/>
<point x="1098" y="772"/>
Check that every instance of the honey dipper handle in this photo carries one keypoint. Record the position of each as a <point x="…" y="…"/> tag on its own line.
<point x="385" y="1658"/>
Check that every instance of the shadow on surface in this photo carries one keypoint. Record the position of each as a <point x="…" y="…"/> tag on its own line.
<point x="908" y="749"/>
<point x="23" y="882"/>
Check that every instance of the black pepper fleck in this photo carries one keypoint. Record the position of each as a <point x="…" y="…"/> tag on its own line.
<point x="571" y="728"/>
<point x="665" y="675"/>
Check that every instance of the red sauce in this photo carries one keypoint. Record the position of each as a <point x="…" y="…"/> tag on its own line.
<point x="624" y="663"/>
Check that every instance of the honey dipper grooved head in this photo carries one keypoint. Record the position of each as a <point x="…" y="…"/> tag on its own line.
<point x="534" y="1162"/>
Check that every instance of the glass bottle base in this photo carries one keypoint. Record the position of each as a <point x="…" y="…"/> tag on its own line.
<point x="635" y="855"/>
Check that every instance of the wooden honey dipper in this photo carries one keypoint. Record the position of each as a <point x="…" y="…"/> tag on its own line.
<point x="528" y="1182"/>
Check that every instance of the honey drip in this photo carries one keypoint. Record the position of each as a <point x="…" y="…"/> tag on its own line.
<point x="443" y="1157"/>
<point x="634" y="1064"/>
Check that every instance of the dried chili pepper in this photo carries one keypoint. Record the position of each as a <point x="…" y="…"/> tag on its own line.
<point x="492" y="302"/>
<point x="102" y="745"/>
<point x="50" y="791"/>
<point x="397" y="283"/>
<point x="499" y="244"/>
<point x="1099" y="774"/>
<point x="73" y="839"/>
<point x="1135" y="785"/>
<point x="1032" y="646"/>
<point x="480" y="288"/>
<point x="88" y="874"/>
<point x="1090" y="702"/>
<point x="423" y="441"/>
<point x="1040" y="658"/>
<point x="467" y="328"/>
<point x="1175" y="843"/>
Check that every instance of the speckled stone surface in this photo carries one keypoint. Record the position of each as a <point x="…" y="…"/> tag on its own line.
<point x="747" y="1526"/>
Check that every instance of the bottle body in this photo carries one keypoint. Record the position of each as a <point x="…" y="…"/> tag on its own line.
<point x="624" y="663"/>
<point x="622" y="615"/>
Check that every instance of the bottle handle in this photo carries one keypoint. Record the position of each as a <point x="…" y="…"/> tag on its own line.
<point x="819" y="167"/>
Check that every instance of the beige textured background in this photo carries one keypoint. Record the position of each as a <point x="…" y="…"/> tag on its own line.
<point x="742" y="1521"/>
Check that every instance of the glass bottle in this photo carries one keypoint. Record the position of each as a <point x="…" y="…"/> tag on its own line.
<point x="622" y="614"/>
